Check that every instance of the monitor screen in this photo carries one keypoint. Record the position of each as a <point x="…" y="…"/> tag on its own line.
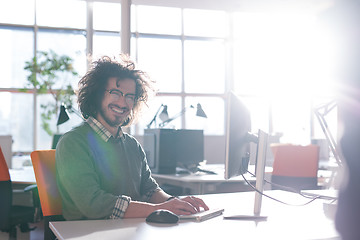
<point x="189" y="148"/>
<point x="237" y="147"/>
<point x="167" y="149"/>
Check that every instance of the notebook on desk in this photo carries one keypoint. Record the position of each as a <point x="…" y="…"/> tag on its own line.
<point x="203" y="215"/>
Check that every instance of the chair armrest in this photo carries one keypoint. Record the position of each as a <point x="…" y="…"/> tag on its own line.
<point x="32" y="187"/>
<point x="36" y="201"/>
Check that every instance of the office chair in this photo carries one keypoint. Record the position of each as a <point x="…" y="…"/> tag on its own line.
<point x="12" y="216"/>
<point x="44" y="167"/>
<point x="295" y="166"/>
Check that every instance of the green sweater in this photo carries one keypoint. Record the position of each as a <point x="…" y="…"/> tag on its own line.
<point x="93" y="174"/>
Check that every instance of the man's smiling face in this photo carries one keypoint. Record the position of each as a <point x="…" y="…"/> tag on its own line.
<point x="117" y="103"/>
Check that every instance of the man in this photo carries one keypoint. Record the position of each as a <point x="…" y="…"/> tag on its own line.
<point x="101" y="171"/>
<point x="347" y="16"/>
<point x="344" y="19"/>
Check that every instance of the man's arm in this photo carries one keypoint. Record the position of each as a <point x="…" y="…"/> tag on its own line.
<point x="184" y="206"/>
<point x="159" y="197"/>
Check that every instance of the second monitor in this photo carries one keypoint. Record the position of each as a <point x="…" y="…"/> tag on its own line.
<point x="167" y="149"/>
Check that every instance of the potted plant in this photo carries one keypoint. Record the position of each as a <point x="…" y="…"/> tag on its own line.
<point x="47" y="71"/>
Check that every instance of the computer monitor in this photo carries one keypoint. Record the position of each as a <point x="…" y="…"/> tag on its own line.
<point x="238" y="127"/>
<point x="167" y="149"/>
<point x="189" y="149"/>
<point x="238" y="138"/>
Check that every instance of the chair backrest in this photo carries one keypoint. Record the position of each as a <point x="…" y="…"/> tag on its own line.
<point x="295" y="161"/>
<point x="4" y="170"/>
<point x="5" y="193"/>
<point x="44" y="167"/>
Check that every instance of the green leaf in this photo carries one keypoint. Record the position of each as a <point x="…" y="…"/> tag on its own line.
<point x="46" y="70"/>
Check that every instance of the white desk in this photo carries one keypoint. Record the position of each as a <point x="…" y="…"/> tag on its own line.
<point x="191" y="184"/>
<point x="284" y="222"/>
<point x="202" y="183"/>
<point x="23" y="175"/>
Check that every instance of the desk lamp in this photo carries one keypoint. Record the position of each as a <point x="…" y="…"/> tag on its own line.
<point x="64" y="116"/>
<point x="163" y="115"/>
<point x="199" y="112"/>
<point x="320" y="113"/>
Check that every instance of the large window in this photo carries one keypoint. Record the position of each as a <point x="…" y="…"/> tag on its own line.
<point x="283" y="62"/>
<point x="184" y="50"/>
<point x="106" y="24"/>
<point x="277" y="62"/>
<point x="22" y="35"/>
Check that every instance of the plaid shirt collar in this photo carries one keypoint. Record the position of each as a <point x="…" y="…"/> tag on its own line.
<point x="102" y="131"/>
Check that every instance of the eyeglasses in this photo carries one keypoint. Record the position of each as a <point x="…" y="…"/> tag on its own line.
<point x="116" y="94"/>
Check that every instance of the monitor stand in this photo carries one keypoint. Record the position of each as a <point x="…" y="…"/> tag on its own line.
<point x="260" y="174"/>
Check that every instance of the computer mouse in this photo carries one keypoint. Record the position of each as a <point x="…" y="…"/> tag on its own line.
<point x="162" y="216"/>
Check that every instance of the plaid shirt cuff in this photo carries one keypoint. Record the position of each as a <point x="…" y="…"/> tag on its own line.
<point x="151" y="193"/>
<point x="121" y="205"/>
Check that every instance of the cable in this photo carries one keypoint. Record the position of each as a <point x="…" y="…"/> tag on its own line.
<point x="286" y="188"/>
<point x="277" y="200"/>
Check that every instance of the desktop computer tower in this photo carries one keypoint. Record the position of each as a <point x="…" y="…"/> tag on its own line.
<point x="167" y="148"/>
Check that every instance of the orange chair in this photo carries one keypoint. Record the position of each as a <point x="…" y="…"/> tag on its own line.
<point x="12" y="216"/>
<point x="44" y="167"/>
<point x="295" y="166"/>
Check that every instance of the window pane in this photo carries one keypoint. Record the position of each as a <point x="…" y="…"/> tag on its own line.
<point x="72" y="44"/>
<point x="259" y="113"/>
<point x="213" y="108"/>
<point x="16" y="119"/>
<point x="205" y="23"/>
<point x="163" y="20"/>
<point x="11" y="12"/>
<point x="204" y="66"/>
<point x="107" y="16"/>
<point x="43" y="139"/>
<point x="106" y="44"/>
<point x="16" y="47"/>
<point x="65" y="13"/>
<point x="254" y="50"/>
<point x="173" y="106"/>
<point x="133" y="15"/>
<point x="291" y="117"/>
<point x="161" y="58"/>
<point x="281" y="53"/>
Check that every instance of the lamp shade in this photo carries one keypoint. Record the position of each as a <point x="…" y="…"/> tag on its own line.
<point x="200" y="112"/>
<point x="164" y="114"/>
<point x="63" y="116"/>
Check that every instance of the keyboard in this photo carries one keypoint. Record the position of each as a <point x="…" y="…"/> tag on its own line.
<point x="203" y="215"/>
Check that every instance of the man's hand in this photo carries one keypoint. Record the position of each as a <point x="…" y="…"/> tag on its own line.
<point x="184" y="206"/>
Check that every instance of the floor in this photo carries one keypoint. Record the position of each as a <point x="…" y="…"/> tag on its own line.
<point x="37" y="234"/>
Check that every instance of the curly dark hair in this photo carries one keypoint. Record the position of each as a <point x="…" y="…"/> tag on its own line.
<point x="92" y="85"/>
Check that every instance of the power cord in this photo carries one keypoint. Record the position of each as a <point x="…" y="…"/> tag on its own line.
<point x="284" y="188"/>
